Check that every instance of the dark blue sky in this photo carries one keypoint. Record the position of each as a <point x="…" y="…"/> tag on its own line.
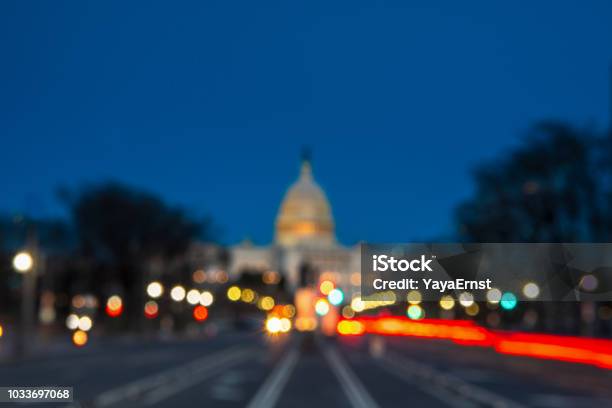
<point x="208" y="103"/>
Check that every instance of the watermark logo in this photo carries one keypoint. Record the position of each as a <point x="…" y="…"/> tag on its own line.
<point x="383" y="263"/>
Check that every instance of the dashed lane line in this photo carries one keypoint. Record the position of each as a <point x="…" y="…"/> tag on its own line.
<point x="166" y="383"/>
<point x="268" y="394"/>
<point x="188" y="381"/>
<point x="353" y="388"/>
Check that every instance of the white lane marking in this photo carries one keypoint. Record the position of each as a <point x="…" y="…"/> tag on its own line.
<point x="201" y="373"/>
<point x="437" y="392"/>
<point x="141" y="386"/>
<point x="268" y="394"/>
<point x="352" y="387"/>
<point x="451" y="383"/>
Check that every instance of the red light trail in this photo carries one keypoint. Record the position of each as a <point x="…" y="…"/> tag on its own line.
<point x="583" y="350"/>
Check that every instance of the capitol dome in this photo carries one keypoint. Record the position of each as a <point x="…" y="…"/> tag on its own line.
<point x="305" y="216"/>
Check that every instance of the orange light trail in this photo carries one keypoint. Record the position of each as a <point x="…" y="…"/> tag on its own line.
<point x="459" y="331"/>
<point x="564" y="348"/>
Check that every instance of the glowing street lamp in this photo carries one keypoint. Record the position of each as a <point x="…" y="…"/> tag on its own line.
<point x="177" y="293"/>
<point x="206" y="298"/>
<point x="155" y="289"/>
<point x="23" y="262"/>
<point x="273" y="325"/>
<point x="193" y="297"/>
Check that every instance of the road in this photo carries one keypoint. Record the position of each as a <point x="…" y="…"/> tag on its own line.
<point x="239" y="369"/>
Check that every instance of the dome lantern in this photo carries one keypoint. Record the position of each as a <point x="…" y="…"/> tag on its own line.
<point x="305" y="216"/>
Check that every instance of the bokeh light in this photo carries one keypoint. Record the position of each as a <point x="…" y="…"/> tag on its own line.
<point x="78" y="301"/>
<point x="466" y="299"/>
<point x="447" y="302"/>
<point x="193" y="297"/>
<point x="270" y="278"/>
<point x="247" y="296"/>
<point x="155" y="289"/>
<point x="531" y="290"/>
<point x="414" y="297"/>
<point x="199" y="276"/>
<point x="589" y="282"/>
<point x="200" y="313"/>
<point x="326" y="286"/>
<point x="508" y="301"/>
<point x="472" y="310"/>
<point x="335" y="297"/>
<point x="348" y="312"/>
<point x="415" y="312"/>
<point x="72" y="321"/>
<point x="273" y="325"/>
<point x="221" y="277"/>
<point x="177" y="293"/>
<point x="22" y="262"/>
<point x="91" y="301"/>
<point x="288" y="311"/>
<point x="234" y="293"/>
<point x="357" y="304"/>
<point x="85" y="323"/>
<point x="206" y="298"/>
<point x="285" y="324"/>
<point x="151" y="309"/>
<point x="79" y="338"/>
<point x="114" y="306"/>
<point x="266" y="303"/>
<point x="322" y="307"/>
<point x="494" y="295"/>
<point x="305" y="324"/>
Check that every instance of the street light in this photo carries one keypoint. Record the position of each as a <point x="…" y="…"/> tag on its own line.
<point x="177" y="293"/>
<point x="155" y="289"/>
<point x="23" y="262"/>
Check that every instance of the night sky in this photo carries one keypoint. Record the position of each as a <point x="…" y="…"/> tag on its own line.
<point x="208" y="103"/>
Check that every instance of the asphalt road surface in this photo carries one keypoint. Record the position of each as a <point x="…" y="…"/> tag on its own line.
<point x="240" y="369"/>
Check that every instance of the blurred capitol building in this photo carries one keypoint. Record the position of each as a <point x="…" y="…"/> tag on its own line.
<point x="305" y="246"/>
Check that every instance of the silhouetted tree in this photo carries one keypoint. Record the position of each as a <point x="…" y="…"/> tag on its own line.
<point x="122" y="230"/>
<point x="554" y="188"/>
<point x="548" y="190"/>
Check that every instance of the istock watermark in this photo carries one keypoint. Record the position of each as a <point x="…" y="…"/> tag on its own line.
<point x="488" y="271"/>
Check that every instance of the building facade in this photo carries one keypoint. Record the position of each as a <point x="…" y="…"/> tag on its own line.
<point x="305" y="247"/>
